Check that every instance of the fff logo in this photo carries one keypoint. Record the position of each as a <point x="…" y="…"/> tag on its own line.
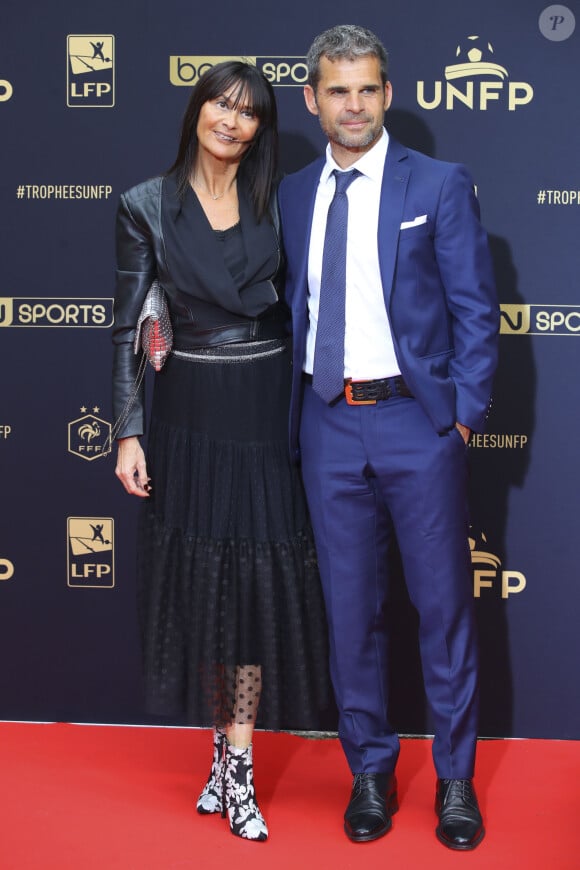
<point x="88" y="437"/>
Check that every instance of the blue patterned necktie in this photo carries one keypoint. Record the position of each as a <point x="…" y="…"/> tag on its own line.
<point x="328" y="374"/>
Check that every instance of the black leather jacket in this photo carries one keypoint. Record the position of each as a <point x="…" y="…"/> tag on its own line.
<point x="141" y="257"/>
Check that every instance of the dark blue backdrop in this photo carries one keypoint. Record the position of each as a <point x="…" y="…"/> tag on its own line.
<point x="87" y="109"/>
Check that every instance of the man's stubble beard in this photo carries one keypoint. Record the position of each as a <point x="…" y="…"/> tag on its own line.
<point x="335" y="137"/>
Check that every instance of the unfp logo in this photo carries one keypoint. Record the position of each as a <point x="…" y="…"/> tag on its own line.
<point x="287" y="71"/>
<point x="480" y="81"/>
<point x="90" y="552"/>
<point x="89" y="436"/>
<point x="90" y="79"/>
<point x="490" y="576"/>
<point x="539" y="320"/>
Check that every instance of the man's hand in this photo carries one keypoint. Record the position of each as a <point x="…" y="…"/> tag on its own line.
<point x="464" y="431"/>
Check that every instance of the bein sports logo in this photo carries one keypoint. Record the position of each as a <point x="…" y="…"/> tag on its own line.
<point x="539" y="320"/>
<point x="286" y="71"/>
<point x="90" y="71"/>
<point x="56" y="312"/>
<point x="484" y="81"/>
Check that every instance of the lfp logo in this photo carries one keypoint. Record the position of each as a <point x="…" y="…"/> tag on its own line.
<point x="481" y="80"/>
<point x="90" y="552"/>
<point x="90" y="71"/>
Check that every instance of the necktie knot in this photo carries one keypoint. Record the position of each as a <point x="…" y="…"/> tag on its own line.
<point x="344" y="179"/>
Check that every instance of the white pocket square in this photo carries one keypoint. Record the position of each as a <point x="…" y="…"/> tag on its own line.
<point x="422" y="219"/>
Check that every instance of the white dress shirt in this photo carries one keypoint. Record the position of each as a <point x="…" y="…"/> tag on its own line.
<point x="369" y="351"/>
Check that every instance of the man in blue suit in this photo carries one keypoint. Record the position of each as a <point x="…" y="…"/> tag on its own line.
<point x="409" y="304"/>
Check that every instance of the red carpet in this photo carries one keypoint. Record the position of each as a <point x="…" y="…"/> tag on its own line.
<point x="81" y="797"/>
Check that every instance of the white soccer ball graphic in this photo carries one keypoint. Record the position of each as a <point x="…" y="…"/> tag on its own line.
<point x="476" y="49"/>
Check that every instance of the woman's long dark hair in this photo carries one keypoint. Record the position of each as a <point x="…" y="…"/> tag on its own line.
<point x="258" y="166"/>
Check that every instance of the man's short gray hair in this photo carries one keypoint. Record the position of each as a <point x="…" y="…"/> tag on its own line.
<point x="344" y="41"/>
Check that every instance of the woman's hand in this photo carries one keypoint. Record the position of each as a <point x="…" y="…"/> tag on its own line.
<point x="131" y="468"/>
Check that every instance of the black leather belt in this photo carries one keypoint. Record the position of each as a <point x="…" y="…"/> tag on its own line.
<point x="249" y="330"/>
<point x="373" y="391"/>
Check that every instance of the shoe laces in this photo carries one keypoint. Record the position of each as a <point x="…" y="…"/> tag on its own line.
<point x="363" y="782"/>
<point x="459" y="789"/>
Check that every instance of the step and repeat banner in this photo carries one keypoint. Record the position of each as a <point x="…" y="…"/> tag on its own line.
<point x="91" y="99"/>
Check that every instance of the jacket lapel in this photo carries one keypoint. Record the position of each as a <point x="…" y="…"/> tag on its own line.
<point x="394" y="189"/>
<point x="299" y="225"/>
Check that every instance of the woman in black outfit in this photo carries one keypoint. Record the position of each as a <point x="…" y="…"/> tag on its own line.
<point x="230" y="606"/>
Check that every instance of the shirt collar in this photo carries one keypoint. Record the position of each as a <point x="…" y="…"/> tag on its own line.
<point x="370" y="164"/>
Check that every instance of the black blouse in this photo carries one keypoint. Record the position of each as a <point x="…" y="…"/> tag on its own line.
<point x="195" y="255"/>
<point x="233" y="250"/>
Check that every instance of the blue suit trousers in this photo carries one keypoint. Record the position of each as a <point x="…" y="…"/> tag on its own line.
<point x="371" y="472"/>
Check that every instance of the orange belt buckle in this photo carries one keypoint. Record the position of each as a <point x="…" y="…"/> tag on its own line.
<point x="349" y="397"/>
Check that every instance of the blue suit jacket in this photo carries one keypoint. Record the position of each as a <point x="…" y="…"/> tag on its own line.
<point x="437" y="283"/>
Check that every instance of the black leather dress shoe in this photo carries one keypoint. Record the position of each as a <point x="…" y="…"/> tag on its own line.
<point x="373" y="801"/>
<point x="460" y="823"/>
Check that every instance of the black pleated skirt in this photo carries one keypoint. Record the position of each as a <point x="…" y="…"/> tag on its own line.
<point x="227" y="572"/>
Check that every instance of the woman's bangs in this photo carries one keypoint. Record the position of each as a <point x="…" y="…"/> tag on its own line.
<point x="250" y="93"/>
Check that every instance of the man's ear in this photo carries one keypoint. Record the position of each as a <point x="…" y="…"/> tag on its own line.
<point x="388" y="95"/>
<point x="310" y="100"/>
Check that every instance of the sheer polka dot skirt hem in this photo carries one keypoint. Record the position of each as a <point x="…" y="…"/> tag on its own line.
<point x="232" y="630"/>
